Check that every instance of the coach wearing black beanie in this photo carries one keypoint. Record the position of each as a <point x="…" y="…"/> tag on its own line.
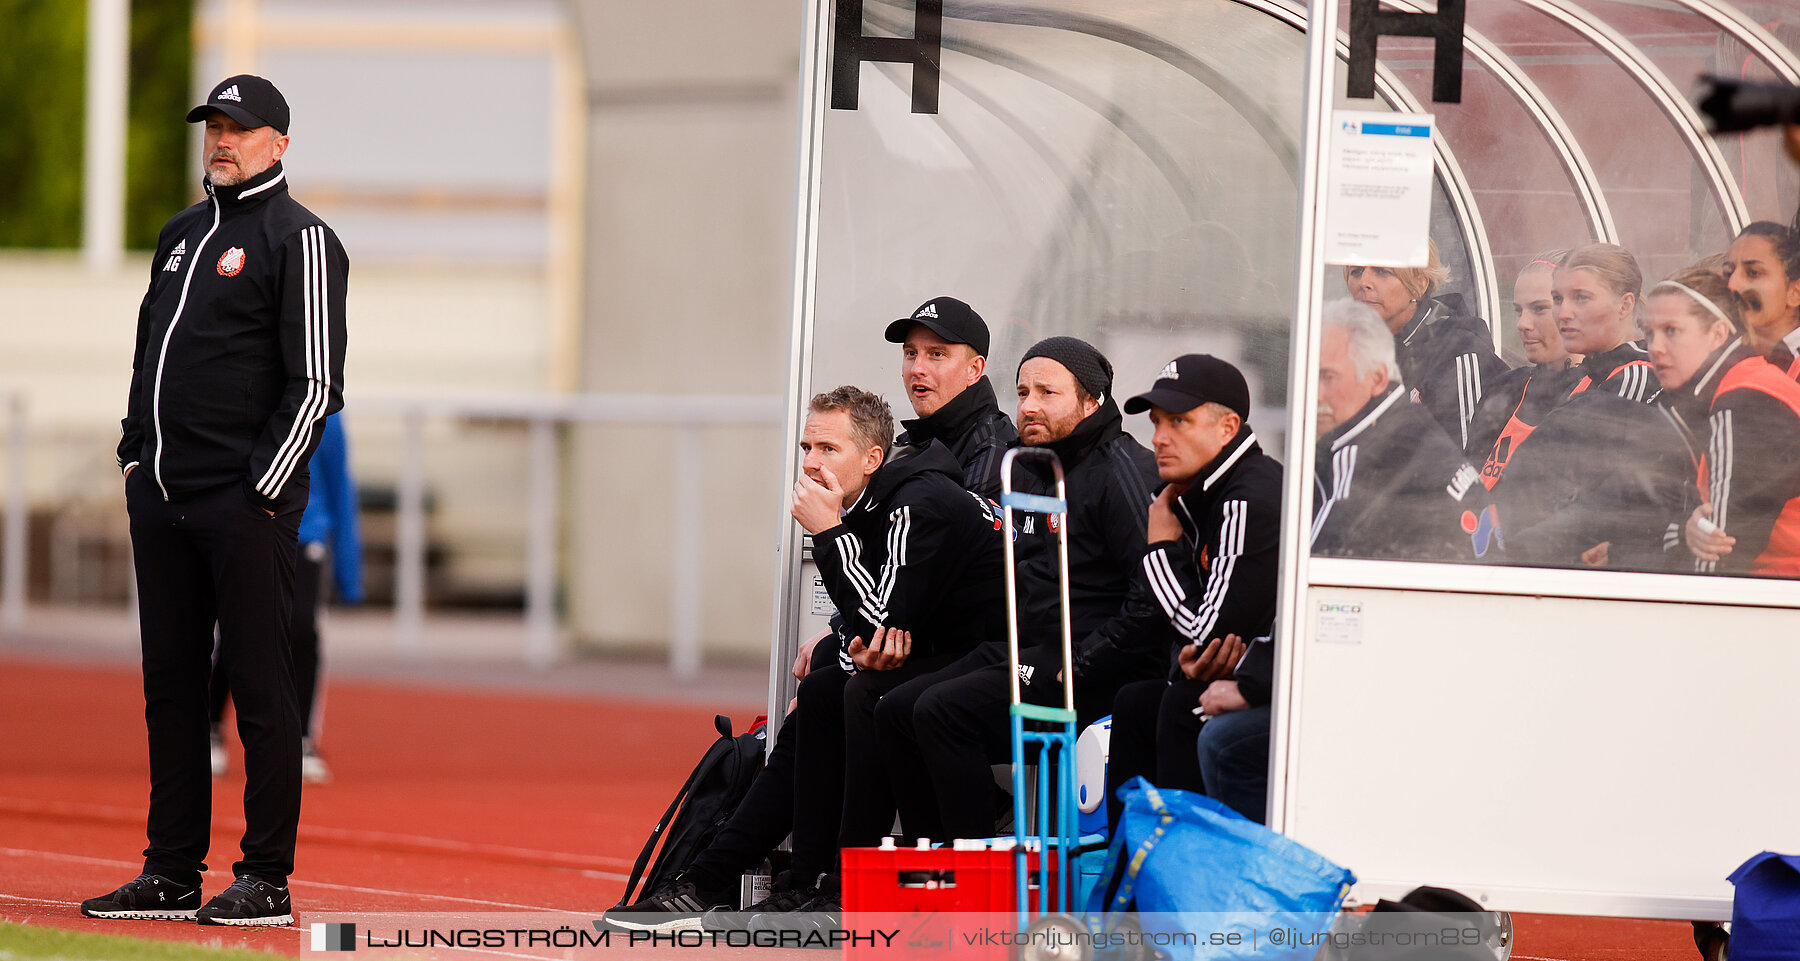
<point x="939" y="733"/>
<point x="1091" y="368"/>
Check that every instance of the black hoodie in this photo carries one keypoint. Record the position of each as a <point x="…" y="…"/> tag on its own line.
<point x="1118" y="630"/>
<point x="917" y="552"/>
<point x="1446" y="356"/>
<point x="1220" y="577"/>
<point x="976" y="431"/>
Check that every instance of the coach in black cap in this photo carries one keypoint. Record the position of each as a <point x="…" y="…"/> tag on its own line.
<point x="1214" y="548"/>
<point x="250" y="100"/>
<point x="944" y="345"/>
<point x="940" y="733"/>
<point x="238" y="360"/>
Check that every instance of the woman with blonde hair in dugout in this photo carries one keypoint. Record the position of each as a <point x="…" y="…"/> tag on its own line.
<point x="1599" y="475"/>
<point x="1446" y="353"/>
<point x="1740" y="416"/>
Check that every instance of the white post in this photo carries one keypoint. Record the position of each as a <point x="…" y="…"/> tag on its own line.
<point x="684" y="580"/>
<point x="541" y="648"/>
<point x="409" y="537"/>
<point x="12" y="577"/>
<point x="103" y="153"/>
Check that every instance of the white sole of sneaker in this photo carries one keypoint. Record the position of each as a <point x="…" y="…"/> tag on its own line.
<point x="273" y="921"/>
<point x="140" y="915"/>
<point x="678" y="924"/>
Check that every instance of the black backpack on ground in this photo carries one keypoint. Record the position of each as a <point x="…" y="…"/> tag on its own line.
<point x="702" y="806"/>
<point x="1428" y="924"/>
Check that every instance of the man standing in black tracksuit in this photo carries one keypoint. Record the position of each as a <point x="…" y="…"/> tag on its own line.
<point x="1389" y="483"/>
<point x="941" y="732"/>
<point x="1214" y="551"/>
<point x="239" y="358"/>
<point x="943" y="365"/>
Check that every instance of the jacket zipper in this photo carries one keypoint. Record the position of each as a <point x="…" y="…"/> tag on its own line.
<point x="163" y="357"/>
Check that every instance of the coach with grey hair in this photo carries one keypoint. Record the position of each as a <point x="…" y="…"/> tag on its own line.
<point x="1389" y="482"/>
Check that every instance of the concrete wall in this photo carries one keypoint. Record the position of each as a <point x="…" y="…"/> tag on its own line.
<point x="691" y="151"/>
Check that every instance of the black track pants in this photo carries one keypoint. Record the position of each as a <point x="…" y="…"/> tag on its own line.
<point x="217" y="557"/>
<point x="944" y="732"/>
<point x="766" y="814"/>
<point x="832" y="769"/>
<point x="303" y="637"/>
<point x="1153" y="735"/>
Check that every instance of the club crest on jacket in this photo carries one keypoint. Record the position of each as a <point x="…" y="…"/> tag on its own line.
<point x="232" y="262"/>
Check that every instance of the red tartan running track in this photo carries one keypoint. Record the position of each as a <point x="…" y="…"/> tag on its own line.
<point x="450" y="801"/>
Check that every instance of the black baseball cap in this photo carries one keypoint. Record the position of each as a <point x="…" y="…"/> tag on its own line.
<point x="948" y="318"/>
<point x="250" y="100"/>
<point x="1191" y="380"/>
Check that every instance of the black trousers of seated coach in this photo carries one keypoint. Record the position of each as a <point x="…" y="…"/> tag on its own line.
<point x="841" y="795"/>
<point x="942" y="731"/>
<point x="216" y="557"/>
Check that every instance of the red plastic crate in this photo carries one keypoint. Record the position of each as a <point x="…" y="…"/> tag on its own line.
<point x="932" y="897"/>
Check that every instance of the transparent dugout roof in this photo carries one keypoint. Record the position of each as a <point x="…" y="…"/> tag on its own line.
<point x="1124" y="173"/>
<point x="1129" y="172"/>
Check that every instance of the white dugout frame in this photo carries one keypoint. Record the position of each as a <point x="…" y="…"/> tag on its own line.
<point x="1539" y="739"/>
<point x="1579" y="742"/>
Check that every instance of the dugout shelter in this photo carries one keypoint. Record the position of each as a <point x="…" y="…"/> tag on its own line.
<point x="1155" y="177"/>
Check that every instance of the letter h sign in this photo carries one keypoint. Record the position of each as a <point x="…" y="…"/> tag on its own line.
<point x="851" y="47"/>
<point x="1368" y="23"/>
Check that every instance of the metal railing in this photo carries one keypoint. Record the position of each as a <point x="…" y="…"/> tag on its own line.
<point x="12" y="541"/>
<point x="542" y="414"/>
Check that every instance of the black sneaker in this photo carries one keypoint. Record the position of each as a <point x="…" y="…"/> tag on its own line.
<point x="675" y="905"/>
<point x="786" y="894"/>
<point x="249" y="903"/>
<point x="822" y="913"/>
<point x="149" y="897"/>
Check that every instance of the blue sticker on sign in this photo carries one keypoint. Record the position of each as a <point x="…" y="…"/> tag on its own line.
<point x="1396" y="130"/>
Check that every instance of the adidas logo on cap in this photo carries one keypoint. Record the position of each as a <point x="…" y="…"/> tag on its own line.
<point x="231" y="93"/>
<point x="1169" y="372"/>
<point x="929" y="310"/>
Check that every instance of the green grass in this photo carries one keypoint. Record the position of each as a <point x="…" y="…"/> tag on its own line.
<point x="22" y="942"/>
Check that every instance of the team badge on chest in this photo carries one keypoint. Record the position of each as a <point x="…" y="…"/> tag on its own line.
<point x="232" y="262"/>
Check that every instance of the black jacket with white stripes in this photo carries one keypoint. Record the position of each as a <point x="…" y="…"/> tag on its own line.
<point x="1446" y="356"/>
<point x="917" y="552"/>
<point x="1220" y="577"/>
<point x="1741" y="417"/>
<point x="1528" y="392"/>
<point x="1625" y="370"/>
<point x="975" y="429"/>
<point x="1598" y="469"/>
<point x="1390" y="484"/>
<point x="240" y="345"/>
<point x="1118" y="630"/>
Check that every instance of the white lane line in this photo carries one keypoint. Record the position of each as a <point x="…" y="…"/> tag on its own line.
<point x="60" y="904"/>
<point x="110" y="862"/>
<point x="107" y="812"/>
<point x="436" y="897"/>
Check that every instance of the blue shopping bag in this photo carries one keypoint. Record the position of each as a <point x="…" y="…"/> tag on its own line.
<point x="1765" y="910"/>
<point x="1199" y="873"/>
